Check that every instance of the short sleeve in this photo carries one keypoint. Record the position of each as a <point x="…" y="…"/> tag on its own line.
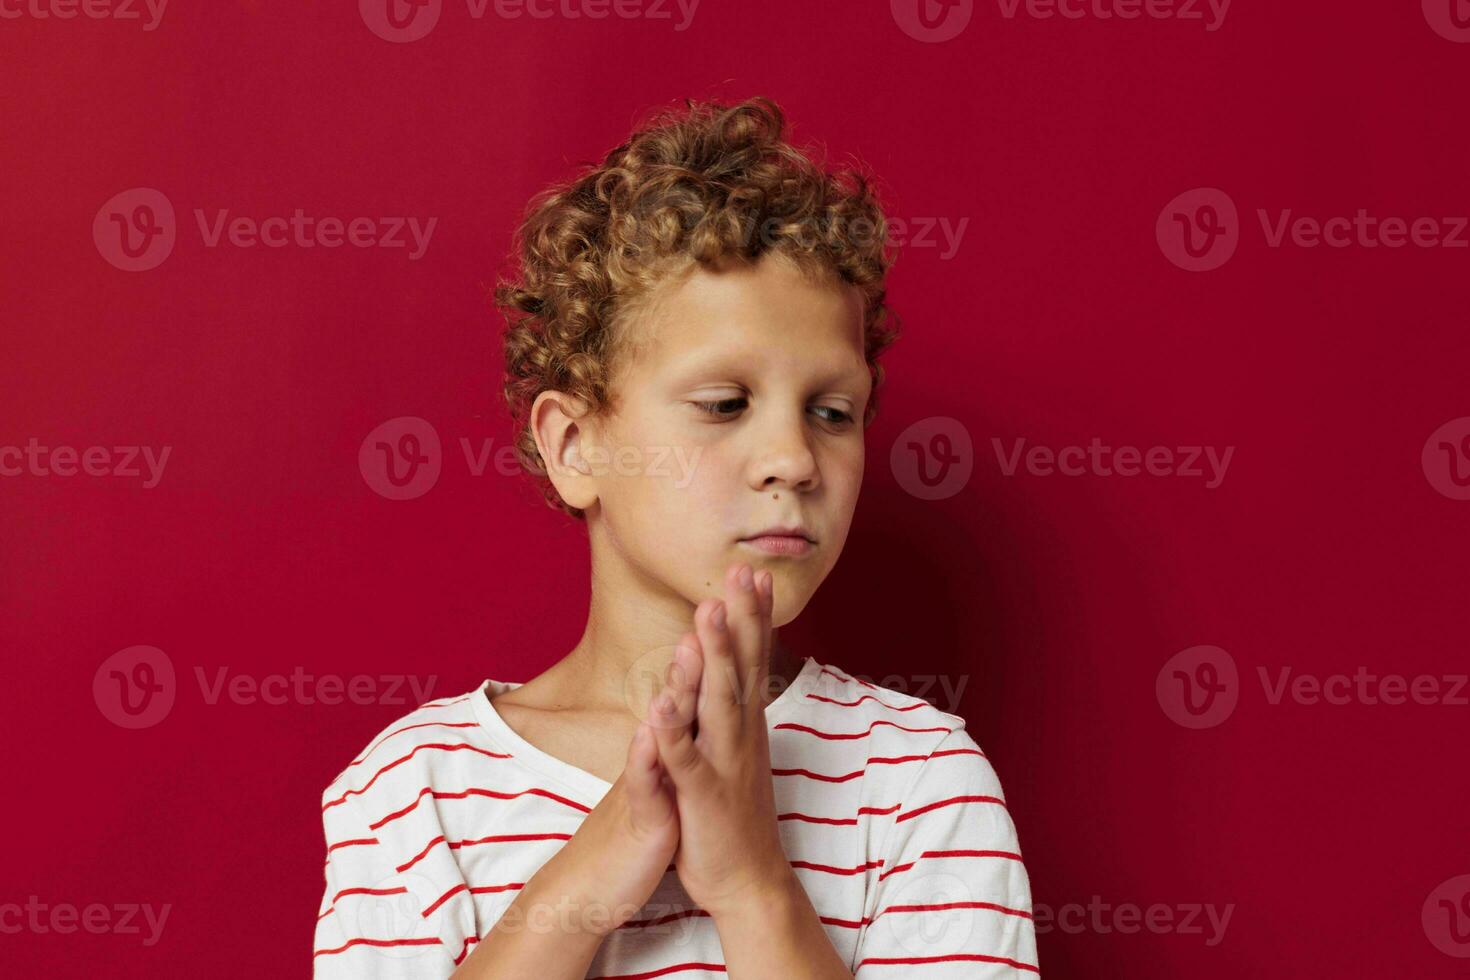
<point x="377" y="922"/>
<point x="953" y="899"/>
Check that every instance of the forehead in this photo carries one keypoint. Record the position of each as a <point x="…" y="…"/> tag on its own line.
<point x="767" y="314"/>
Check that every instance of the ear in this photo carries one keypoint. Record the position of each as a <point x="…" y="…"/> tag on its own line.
<point x="567" y="438"/>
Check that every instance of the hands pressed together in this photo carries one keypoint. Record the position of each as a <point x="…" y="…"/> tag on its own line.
<point x="729" y="848"/>
<point x="701" y="799"/>
<point x="696" y="791"/>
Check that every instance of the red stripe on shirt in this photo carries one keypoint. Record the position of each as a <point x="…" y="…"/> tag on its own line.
<point x="871" y="761"/>
<point x="408" y="728"/>
<point x="869" y="697"/>
<point x="829" y="869"/>
<point x="949" y="802"/>
<point x="839" y="821"/>
<point x="431" y="941"/>
<point x="465" y="949"/>
<point x="466" y="794"/>
<point x="952" y="958"/>
<point x="793" y="726"/>
<point x="438" y="746"/>
<point x="662" y="971"/>
<point x="946" y="854"/>
<point x="845" y="679"/>
<point x="455" y="845"/>
<point x="1022" y="913"/>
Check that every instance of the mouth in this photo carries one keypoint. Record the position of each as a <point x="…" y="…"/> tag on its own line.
<point x="792" y="541"/>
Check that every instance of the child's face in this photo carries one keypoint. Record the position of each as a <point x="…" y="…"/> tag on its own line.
<point x="781" y="359"/>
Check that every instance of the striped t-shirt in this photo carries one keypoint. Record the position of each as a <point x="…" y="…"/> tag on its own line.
<point x="891" y="816"/>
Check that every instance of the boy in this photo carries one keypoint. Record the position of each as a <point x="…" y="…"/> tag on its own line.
<point x="710" y="298"/>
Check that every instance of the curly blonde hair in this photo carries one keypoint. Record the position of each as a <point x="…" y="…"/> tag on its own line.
<point x="690" y="186"/>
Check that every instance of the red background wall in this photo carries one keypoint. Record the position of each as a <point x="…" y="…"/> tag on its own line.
<point x="1058" y="600"/>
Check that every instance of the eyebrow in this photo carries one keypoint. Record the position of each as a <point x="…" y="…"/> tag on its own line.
<point x="733" y="363"/>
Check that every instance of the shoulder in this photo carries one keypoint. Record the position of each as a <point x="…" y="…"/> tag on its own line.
<point x="896" y="735"/>
<point x="405" y="759"/>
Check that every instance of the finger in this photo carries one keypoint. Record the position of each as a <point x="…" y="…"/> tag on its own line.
<point x="684" y="677"/>
<point x="723" y="716"/>
<point x="719" y="682"/>
<point x="765" y="588"/>
<point x="650" y="803"/>
<point x="744" y="606"/>
<point x="673" y="731"/>
<point x="681" y="686"/>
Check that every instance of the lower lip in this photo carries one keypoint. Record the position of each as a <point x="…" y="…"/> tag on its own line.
<point x="780" y="544"/>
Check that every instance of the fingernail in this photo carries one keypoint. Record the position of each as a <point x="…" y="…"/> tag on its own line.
<point x="765" y="585"/>
<point x="746" y="578"/>
<point x="718" y="616"/>
<point x="665" y="704"/>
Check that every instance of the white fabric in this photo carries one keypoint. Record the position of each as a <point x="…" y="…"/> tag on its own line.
<point x="898" y="815"/>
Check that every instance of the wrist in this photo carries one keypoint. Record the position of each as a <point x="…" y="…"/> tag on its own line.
<point x="775" y="899"/>
<point x="550" y="903"/>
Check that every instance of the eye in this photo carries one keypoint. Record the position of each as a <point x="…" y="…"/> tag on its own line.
<point x="842" y="417"/>
<point x="725" y="408"/>
<point x="713" y="408"/>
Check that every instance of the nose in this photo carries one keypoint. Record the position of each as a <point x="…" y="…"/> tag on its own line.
<point x="783" y="456"/>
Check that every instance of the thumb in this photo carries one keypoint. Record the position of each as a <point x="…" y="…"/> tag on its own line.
<point x="650" y="803"/>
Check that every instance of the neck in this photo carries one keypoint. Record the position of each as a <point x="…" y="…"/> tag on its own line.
<point x="633" y="626"/>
